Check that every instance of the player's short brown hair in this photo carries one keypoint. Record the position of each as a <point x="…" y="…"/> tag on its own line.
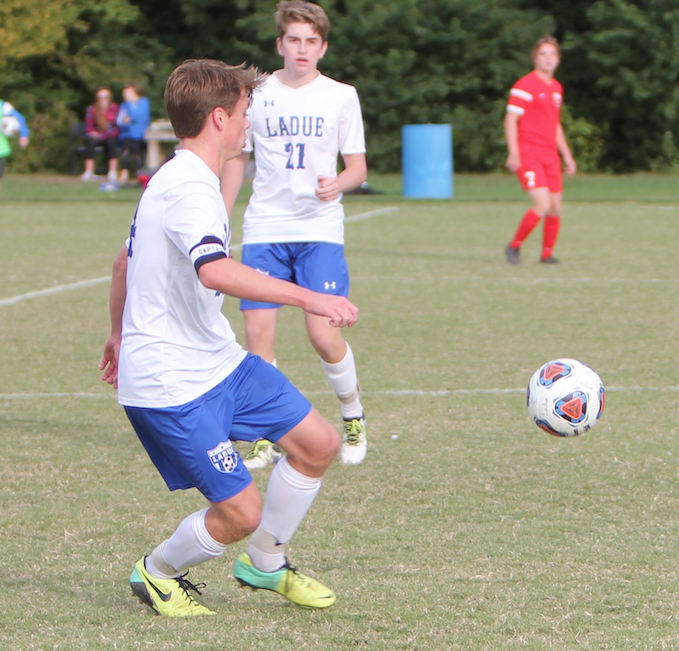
<point x="547" y="38"/>
<point x="198" y="86"/>
<point x="301" y="11"/>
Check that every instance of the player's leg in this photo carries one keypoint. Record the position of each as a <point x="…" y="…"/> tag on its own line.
<point x="552" y="223"/>
<point x="322" y="267"/>
<point x="200" y="537"/>
<point x="533" y="180"/>
<point x="272" y="407"/>
<point x="339" y="366"/>
<point x="260" y="330"/>
<point x="190" y="447"/>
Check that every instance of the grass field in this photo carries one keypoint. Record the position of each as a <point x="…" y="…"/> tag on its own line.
<point x="472" y="530"/>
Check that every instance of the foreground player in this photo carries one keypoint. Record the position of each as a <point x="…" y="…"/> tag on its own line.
<point x="187" y="387"/>
<point x="294" y="226"/>
<point x="534" y="140"/>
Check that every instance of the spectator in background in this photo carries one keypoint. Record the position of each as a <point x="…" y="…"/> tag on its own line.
<point x="8" y="126"/>
<point x="101" y="129"/>
<point x="133" y="119"/>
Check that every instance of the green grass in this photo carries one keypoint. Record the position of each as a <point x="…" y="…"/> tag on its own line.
<point x="471" y="530"/>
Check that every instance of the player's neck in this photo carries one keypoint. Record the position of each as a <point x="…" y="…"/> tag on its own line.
<point x="545" y="76"/>
<point x="206" y="151"/>
<point x="289" y="78"/>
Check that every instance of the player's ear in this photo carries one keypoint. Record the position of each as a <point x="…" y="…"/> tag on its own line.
<point x="324" y="49"/>
<point x="279" y="46"/>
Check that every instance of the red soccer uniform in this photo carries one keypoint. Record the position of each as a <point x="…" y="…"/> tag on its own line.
<point x="538" y="104"/>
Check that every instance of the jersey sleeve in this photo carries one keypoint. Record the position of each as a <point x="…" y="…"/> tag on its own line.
<point x="519" y="99"/>
<point x="351" y="131"/>
<point x="194" y="227"/>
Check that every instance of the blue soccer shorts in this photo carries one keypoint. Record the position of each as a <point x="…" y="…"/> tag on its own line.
<point x="190" y="445"/>
<point x="319" y="266"/>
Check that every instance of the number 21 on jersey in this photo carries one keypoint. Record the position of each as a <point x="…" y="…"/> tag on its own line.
<point x="294" y="162"/>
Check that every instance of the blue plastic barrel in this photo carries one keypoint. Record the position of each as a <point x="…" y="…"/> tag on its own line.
<point x="428" y="161"/>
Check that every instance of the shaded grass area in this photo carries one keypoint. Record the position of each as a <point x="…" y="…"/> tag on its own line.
<point x="644" y="187"/>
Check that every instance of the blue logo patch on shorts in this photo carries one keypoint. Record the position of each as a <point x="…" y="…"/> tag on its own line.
<point x="223" y="457"/>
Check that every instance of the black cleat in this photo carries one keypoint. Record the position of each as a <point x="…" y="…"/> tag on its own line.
<point x="512" y="255"/>
<point x="549" y="260"/>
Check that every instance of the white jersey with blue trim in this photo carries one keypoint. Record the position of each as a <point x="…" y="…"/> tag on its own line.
<point x="176" y="344"/>
<point x="297" y="134"/>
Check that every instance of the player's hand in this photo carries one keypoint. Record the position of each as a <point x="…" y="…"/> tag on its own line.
<point x="23" y="142"/>
<point x="570" y="166"/>
<point x="109" y="361"/>
<point x="513" y="163"/>
<point x="340" y="310"/>
<point x="328" y="188"/>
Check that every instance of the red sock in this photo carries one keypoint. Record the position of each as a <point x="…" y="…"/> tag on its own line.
<point x="528" y="223"/>
<point x="549" y="234"/>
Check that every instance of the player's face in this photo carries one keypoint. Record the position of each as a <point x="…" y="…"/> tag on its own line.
<point x="546" y="59"/>
<point x="236" y="124"/>
<point x="301" y="48"/>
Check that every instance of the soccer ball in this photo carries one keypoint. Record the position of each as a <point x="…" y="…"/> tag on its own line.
<point x="9" y="126"/>
<point x="565" y="397"/>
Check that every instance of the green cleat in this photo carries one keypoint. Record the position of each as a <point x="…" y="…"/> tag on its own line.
<point x="355" y="442"/>
<point x="288" y="582"/>
<point x="262" y="454"/>
<point x="168" y="597"/>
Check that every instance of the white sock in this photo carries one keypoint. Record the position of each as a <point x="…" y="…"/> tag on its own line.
<point x="112" y="176"/>
<point x="189" y="545"/>
<point x="344" y="381"/>
<point x="289" y="496"/>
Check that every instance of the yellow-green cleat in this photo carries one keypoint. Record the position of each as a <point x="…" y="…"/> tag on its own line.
<point x="287" y="581"/>
<point x="168" y="597"/>
<point x="355" y="442"/>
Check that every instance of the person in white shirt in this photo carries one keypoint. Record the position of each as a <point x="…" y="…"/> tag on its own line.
<point x="187" y="386"/>
<point x="294" y="223"/>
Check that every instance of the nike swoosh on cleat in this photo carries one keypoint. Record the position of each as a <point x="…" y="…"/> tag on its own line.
<point x="163" y="595"/>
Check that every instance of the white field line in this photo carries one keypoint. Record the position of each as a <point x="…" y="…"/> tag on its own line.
<point x="12" y="300"/>
<point x="416" y="393"/>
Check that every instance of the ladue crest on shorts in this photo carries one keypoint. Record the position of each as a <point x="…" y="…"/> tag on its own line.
<point x="223" y="457"/>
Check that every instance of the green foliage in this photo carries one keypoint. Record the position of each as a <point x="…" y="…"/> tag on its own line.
<point x="631" y="59"/>
<point x="584" y="139"/>
<point x="412" y="61"/>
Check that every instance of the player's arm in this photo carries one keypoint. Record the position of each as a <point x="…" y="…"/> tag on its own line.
<point x="564" y="150"/>
<point x="354" y="174"/>
<point x="117" y="296"/>
<point x="512" y="136"/>
<point x="232" y="177"/>
<point x="228" y="276"/>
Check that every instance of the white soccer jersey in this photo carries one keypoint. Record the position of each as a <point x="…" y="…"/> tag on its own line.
<point x="176" y="345"/>
<point x="297" y="134"/>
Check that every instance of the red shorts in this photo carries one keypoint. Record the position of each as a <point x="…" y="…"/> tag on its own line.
<point x="540" y="168"/>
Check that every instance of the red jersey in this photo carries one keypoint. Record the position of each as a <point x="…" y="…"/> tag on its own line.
<point x="538" y="103"/>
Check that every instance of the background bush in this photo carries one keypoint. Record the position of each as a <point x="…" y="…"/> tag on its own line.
<point x="413" y="61"/>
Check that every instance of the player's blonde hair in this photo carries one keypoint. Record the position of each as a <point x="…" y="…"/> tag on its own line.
<point x="198" y="86"/>
<point x="547" y="38"/>
<point x="301" y="11"/>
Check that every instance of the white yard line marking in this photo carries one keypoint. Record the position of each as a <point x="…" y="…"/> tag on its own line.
<point x="417" y="393"/>
<point x="53" y="290"/>
<point x="12" y="300"/>
<point x="371" y="213"/>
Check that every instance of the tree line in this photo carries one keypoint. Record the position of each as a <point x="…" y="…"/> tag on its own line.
<point x="412" y="61"/>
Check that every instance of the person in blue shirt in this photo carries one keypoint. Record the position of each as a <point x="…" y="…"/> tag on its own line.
<point x="8" y="111"/>
<point x="133" y="119"/>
